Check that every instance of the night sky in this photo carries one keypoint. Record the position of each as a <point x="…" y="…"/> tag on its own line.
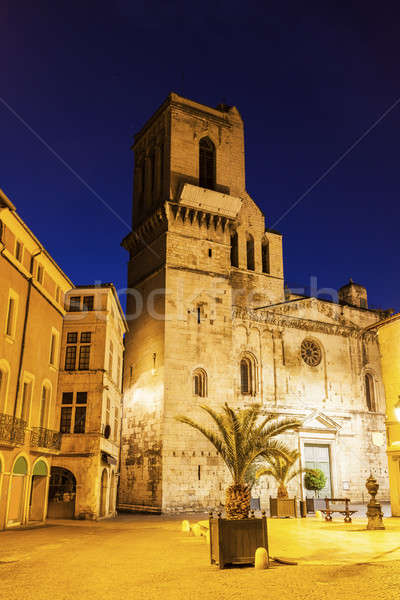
<point x="309" y="79"/>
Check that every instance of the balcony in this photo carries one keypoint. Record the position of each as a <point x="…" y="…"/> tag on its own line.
<point x="45" y="438"/>
<point x="12" y="430"/>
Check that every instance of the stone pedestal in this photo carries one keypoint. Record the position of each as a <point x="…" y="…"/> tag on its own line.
<point x="375" y="514"/>
<point x="374" y="509"/>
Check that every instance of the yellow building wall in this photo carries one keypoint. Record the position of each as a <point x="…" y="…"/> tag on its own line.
<point x="389" y="342"/>
<point x="38" y="309"/>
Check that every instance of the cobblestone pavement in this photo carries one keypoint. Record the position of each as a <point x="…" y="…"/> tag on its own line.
<point x="147" y="557"/>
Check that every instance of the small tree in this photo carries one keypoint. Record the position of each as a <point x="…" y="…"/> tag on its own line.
<point x="314" y="480"/>
<point x="281" y="468"/>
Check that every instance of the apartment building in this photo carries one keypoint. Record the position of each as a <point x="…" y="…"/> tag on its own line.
<point x="84" y="474"/>
<point x="32" y="290"/>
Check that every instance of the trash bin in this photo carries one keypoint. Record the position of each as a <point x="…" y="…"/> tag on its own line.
<point x="303" y="508"/>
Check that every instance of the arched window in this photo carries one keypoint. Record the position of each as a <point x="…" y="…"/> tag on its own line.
<point x="200" y="383"/>
<point x="250" y="252"/>
<point x="20" y="466"/>
<point x="370" y="392"/>
<point x="207" y="164"/>
<point x="265" y="256"/>
<point x="248" y="376"/>
<point x="234" y="249"/>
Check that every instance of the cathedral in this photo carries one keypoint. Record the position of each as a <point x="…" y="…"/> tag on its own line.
<point x="210" y="321"/>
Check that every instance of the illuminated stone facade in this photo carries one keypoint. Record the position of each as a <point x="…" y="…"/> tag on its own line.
<point x="209" y="322"/>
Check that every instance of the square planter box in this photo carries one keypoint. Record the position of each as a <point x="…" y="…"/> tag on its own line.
<point x="236" y="541"/>
<point x="283" y="507"/>
<point x="314" y="504"/>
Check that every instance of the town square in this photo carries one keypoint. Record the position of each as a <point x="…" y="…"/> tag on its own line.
<point x="199" y="301"/>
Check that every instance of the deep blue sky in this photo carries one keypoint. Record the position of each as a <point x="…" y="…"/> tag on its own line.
<point x="308" y="78"/>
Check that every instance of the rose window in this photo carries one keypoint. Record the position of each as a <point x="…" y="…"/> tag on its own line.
<point x="311" y="353"/>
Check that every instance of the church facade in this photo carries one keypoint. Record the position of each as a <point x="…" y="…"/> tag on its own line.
<point x="210" y="322"/>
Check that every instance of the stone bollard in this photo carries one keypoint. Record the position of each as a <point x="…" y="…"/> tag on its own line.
<point x="261" y="560"/>
<point x="185" y="527"/>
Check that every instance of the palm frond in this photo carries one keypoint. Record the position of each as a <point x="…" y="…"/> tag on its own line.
<point x="279" y="427"/>
<point x="241" y="438"/>
<point x="264" y="471"/>
<point x="208" y="433"/>
<point x="220" y="420"/>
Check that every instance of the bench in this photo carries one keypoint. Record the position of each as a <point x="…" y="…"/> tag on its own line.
<point x="328" y="511"/>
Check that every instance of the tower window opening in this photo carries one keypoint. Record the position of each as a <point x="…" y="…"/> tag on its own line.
<point x="370" y="392"/>
<point x="200" y="383"/>
<point x="250" y="252"/>
<point x="207" y="164"/>
<point x="234" y="250"/>
<point x="265" y="257"/>
<point x="210" y="252"/>
<point x="198" y="315"/>
<point x="248" y="376"/>
<point x="152" y="167"/>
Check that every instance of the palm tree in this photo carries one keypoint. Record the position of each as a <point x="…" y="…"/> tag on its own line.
<point x="281" y="468"/>
<point x="240" y="438"/>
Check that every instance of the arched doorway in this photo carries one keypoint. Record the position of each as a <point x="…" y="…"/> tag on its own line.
<point x="62" y="494"/>
<point x="111" y="503"/>
<point x="16" y="500"/>
<point x="37" y="500"/>
<point x="103" y="493"/>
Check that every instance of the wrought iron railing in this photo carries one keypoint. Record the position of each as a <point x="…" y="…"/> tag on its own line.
<point x="45" y="438"/>
<point x="12" y="429"/>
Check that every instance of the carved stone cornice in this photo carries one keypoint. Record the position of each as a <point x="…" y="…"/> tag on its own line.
<point x="202" y="217"/>
<point x="284" y="321"/>
<point x="146" y="232"/>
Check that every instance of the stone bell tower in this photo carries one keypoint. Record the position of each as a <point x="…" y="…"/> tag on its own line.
<point x="198" y="247"/>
